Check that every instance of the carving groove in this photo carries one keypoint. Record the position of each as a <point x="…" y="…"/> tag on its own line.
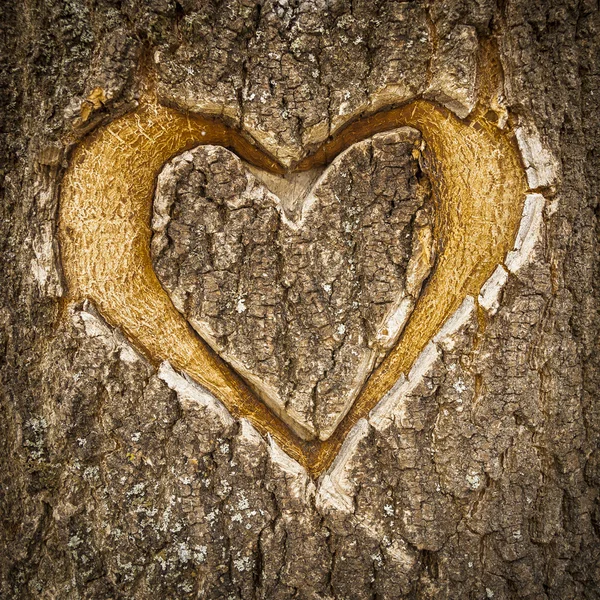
<point x="105" y="212"/>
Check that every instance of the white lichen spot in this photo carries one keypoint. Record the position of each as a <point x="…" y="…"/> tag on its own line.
<point x="135" y="437"/>
<point x="459" y="386"/>
<point x="341" y="329"/>
<point x="162" y="562"/>
<point x="211" y="516"/>
<point x="176" y="528"/>
<point x="91" y="473"/>
<point x="473" y="480"/>
<point x="242" y="564"/>
<point x="137" y="490"/>
<point x="37" y="424"/>
<point x="388" y="509"/>
<point x="184" y="553"/>
<point x="241" y="306"/>
<point x="200" y="553"/>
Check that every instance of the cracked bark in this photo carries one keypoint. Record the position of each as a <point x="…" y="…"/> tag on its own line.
<point x="120" y="479"/>
<point x="304" y="306"/>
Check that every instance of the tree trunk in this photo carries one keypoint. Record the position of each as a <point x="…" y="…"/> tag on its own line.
<point x="300" y="299"/>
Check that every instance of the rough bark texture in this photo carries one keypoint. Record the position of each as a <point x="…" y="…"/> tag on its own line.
<point x="123" y="480"/>
<point x="304" y="305"/>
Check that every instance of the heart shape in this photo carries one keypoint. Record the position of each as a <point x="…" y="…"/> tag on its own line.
<point x="305" y="294"/>
<point x="105" y="207"/>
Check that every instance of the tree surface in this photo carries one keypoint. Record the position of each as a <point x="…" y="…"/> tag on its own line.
<point x="358" y="356"/>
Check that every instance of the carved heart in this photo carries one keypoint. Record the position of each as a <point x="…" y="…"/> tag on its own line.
<point x="304" y="294"/>
<point x="105" y="209"/>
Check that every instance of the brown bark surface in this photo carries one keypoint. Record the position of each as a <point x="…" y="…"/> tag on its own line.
<point x="122" y="478"/>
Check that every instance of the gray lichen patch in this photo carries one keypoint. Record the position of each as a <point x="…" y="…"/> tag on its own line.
<point x="302" y="295"/>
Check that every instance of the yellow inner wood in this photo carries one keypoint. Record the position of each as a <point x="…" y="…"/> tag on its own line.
<point x="104" y="230"/>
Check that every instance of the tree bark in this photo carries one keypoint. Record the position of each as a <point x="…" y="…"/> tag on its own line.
<point x="126" y="475"/>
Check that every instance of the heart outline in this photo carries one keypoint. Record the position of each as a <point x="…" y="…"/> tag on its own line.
<point x="104" y="233"/>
